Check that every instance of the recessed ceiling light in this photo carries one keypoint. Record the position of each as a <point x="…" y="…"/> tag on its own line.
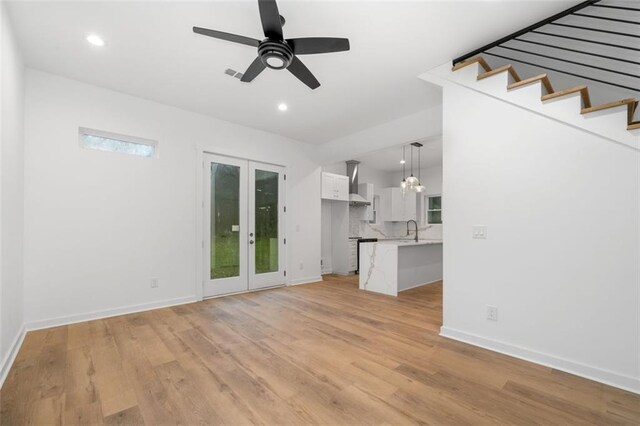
<point x="96" y="40"/>
<point x="283" y="107"/>
<point x="402" y="161"/>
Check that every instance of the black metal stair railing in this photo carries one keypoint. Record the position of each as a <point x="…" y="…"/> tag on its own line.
<point x="612" y="40"/>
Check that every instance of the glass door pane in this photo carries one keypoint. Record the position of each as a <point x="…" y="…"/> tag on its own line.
<point x="225" y="225"/>
<point x="266" y="225"/>
<point x="225" y="221"/>
<point x="266" y="221"/>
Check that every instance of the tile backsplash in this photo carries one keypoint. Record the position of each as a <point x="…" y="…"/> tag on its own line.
<point x="388" y="230"/>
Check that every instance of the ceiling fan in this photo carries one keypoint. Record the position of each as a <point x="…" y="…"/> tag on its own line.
<point x="275" y="51"/>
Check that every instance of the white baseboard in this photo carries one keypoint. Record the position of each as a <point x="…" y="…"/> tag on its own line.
<point x="106" y="313"/>
<point x="420" y="285"/>
<point x="309" y="280"/>
<point x="10" y="357"/>
<point x="631" y="384"/>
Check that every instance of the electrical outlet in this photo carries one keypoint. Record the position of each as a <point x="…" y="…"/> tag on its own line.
<point x="301" y="266"/>
<point x="155" y="283"/>
<point x="492" y="313"/>
<point x="479" y="232"/>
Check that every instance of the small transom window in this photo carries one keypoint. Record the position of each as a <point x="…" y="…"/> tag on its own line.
<point x="104" y="141"/>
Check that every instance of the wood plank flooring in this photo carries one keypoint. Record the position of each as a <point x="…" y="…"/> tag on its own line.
<point x="323" y="353"/>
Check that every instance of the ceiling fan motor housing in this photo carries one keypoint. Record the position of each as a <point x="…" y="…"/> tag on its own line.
<point x="274" y="54"/>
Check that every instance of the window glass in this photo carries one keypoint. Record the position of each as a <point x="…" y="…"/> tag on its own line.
<point x="101" y="142"/>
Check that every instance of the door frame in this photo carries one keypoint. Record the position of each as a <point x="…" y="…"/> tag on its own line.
<point x="200" y="216"/>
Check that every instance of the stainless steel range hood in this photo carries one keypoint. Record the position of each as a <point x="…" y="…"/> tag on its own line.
<point x="355" y="199"/>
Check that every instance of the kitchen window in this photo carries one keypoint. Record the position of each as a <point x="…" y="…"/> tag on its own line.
<point x="434" y="210"/>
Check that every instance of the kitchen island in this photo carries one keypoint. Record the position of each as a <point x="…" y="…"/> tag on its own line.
<point x="391" y="266"/>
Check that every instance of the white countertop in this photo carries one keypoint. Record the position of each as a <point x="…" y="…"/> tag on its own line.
<point x="407" y="243"/>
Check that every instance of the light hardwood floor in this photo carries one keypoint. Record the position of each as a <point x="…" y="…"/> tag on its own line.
<point x="323" y="353"/>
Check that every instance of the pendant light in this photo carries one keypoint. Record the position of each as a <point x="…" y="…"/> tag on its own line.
<point x="419" y="187"/>
<point x="412" y="181"/>
<point x="403" y="184"/>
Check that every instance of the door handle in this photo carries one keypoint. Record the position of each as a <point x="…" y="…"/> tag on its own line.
<point x="250" y="241"/>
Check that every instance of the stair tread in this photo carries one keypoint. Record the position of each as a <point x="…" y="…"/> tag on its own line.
<point x="582" y="89"/>
<point x="608" y="105"/>
<point x="543" y="78"/>
<point x="564" y="92"/>
<point x="498" y="70"/>
<point x="477" y="59"/>
<point x="634" y="125"/>
<point x="526" y="81"/>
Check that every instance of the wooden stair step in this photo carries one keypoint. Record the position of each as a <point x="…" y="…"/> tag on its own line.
<point x="614" y="104"/>
<point x="503" y="68"/>
<point x="631" y="110"/>
<point x="478" y="59"/>
<point x="582" y="89"/>
<point x="542" y="77"/>
<point x="634" y="126"/>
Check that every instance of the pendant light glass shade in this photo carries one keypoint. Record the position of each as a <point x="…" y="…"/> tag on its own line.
<point x="411" y="183"/>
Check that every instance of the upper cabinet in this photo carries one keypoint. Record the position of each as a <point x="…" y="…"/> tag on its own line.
<point x="398" y="207"/>
<point x="335" y="187"/>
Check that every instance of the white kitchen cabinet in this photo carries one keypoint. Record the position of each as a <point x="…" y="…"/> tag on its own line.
<point x="397" y="207"/>
<point x="335" y="187"/>
<point x="340" y="249"/>
<point x="353" y="255"/>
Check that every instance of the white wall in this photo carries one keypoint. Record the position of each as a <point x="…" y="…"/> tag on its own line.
<point x="12" y="194"/>
<point x="431" y="178"/>
<point x="561" y="261"/>
<point x="420" y="125"/>
<point x="366" y="174"/>
<point x="100" y="225"/>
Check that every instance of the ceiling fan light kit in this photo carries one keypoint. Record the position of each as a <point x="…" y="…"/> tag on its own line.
<point x="275" y="55"/>
<point x="276" y="52"/>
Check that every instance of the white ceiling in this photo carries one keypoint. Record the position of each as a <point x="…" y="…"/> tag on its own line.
<point x="152" y="53"/>
<point x="388" y="160"/>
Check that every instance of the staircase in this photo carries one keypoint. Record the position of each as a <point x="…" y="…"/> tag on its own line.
<point x="516" y="82"/>
<point x="594" y="41"/>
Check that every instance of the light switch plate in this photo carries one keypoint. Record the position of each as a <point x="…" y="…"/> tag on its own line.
<point x="479" y="232"/>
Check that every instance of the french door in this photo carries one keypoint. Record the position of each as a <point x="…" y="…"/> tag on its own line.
<point x="244" y="225"/>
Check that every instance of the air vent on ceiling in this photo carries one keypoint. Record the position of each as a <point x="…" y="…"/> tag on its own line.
<point x="233" y="73"/>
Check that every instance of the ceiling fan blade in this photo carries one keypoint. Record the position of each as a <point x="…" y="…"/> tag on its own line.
<point x="313" y="45"/>
<point x="254" y="70"/>
<point x="270" y="17"/>
<point x="300" y="70"/>
<point x="227" y="36"/>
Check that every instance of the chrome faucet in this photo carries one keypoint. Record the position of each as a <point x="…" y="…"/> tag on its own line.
<point x="415" y="223"/>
